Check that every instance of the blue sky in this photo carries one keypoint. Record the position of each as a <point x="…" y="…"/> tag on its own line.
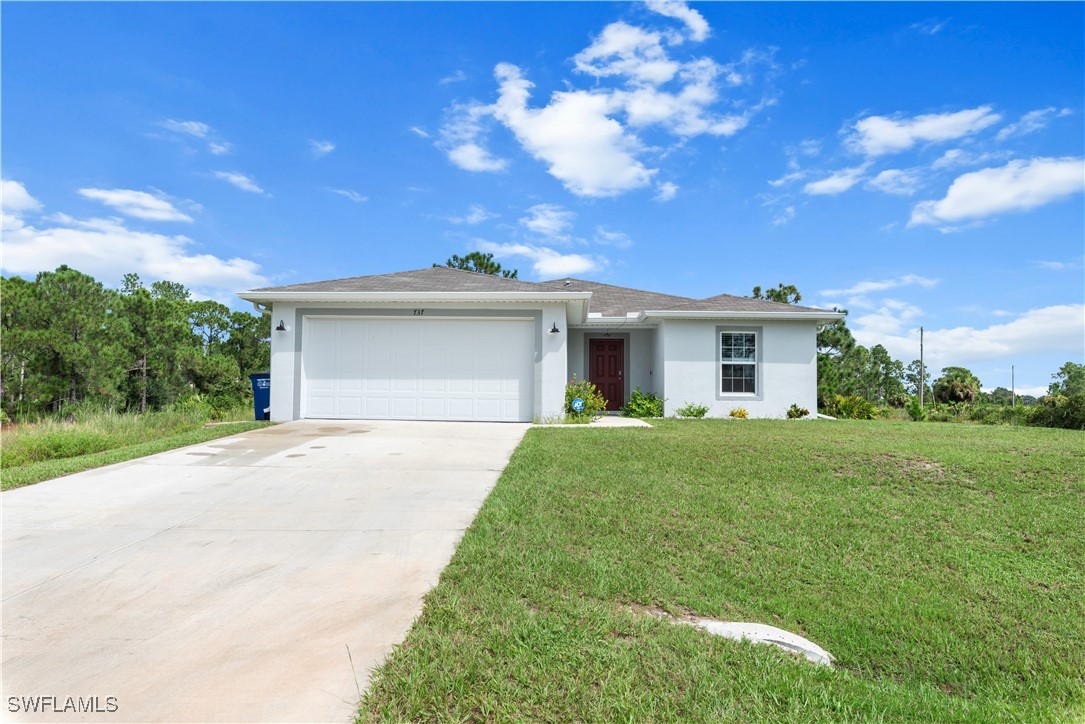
<point x="917" y="164"/>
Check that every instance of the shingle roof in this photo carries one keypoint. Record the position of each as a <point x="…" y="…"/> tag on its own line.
<point x="612" y="301"/>
<point x="606" y="299"/>
<point x="434" y="279"/>
<point x="731" y="303"/>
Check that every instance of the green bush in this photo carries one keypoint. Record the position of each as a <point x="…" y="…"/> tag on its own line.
<point x="852" y="407"/>
<point x="795" y="412"/>
<point x="643" y="404"/>
<point x="739" y="413"/>
<point x="915" y="410"/>
<point x="594" y="403"/>
<point x="692" y="410"/>
<point x="1063" y="411"/>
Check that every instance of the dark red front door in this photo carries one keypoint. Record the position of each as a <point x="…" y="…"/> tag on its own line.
<point x="606" y="366"/>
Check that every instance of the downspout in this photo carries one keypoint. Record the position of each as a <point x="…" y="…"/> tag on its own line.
<point x="261" y="308"/>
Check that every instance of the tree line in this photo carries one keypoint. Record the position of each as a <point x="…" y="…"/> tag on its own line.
<point x="69" y="340"/>
<point x="854" y="381"/>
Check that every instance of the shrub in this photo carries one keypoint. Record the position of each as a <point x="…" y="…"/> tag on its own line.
<point x="1059" y="411"/>
<point x="852" y="407"/>
<point x="594" y="403"/>
<point x="915" y="410"/>
<point x="643" y="404"/>
<point x="739" y="413"/>
<point x="795" y="412"/>
<point x="692" y="410"/>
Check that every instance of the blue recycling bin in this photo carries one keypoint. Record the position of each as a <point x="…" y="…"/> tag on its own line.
<point x="261" y="395"/>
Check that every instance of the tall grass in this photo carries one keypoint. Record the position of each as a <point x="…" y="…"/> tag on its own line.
<point x="83" y="431"/>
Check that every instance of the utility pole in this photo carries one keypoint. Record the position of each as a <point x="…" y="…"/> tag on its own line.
<point x="922" y="369"/>
<point x="1013" y="387"/>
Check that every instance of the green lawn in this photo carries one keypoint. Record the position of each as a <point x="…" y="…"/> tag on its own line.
<point x="50" y="448"/>
<point x="943" y="566"/>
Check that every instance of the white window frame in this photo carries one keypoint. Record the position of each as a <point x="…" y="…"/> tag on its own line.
<point x="758" y="381"/>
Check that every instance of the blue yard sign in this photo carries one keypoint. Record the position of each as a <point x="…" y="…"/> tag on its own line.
<point x="578" y="404"/>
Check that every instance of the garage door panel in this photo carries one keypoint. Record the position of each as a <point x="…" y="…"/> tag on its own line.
<point x="377" y="408"/>
<point x="460" y="383"/>
<point x="418" y="369"/>
<point x="434" y="408"/>
<point x="405" y="408"/>
<point x="350" y="407"/>
<point x="432" y="384"/>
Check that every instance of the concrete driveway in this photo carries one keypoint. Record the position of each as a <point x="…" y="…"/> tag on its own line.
<point x="226" y="581"/>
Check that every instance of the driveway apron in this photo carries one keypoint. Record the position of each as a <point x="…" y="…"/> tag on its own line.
<point x="235" y="580"/>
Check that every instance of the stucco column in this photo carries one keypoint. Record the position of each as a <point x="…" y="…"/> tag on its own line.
<point x="553" y="363"/>
<point x="283" y="363"/>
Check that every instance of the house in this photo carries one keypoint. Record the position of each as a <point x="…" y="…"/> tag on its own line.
<point x="446" y="344"/>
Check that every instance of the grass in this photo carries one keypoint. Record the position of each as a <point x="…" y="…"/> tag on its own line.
<point x="943" y="566"/>
<point x="50" y="448"/>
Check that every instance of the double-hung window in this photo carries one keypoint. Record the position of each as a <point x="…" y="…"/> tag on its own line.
<point x="738" y="363"/>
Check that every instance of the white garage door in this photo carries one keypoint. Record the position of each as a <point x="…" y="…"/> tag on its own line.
<point x="418" y="369"/>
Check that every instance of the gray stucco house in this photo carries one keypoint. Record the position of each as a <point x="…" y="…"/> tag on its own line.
<point x="445" y="344"/>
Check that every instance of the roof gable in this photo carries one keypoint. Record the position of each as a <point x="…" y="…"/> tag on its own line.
<point x="606" y="300"/>
<point x="614" y="301"/>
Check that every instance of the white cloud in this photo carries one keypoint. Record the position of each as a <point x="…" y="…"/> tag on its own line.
<point x="666" y="191"/>
<point x="930" y="26"/>
<point x="1018" y="186"/>
<point x="784" y="217"/>
<point x="1031" y="122"/>
<point x="453" y="77"/>
<point x="684" y="113"/>
<point x="138" y="204"/>
<point x="879" y="135"/>
<point x="1054" y="329"/>
<point x="677" y="9"/>
<point x="320" y="148"/>
<point x="585" y="149"/>
<point x="200" y="130"/>
<point x="418" y="131"/>
<point x="196" y="129"/>
<point x="881" y="285"/>
<point x="239" y="180"/>
<point x="461" y="135"/>
<point x="473" y="157"/>
<point x="788" y="178"/>
<point x="352" y="195"/>
<point x="1061" y="265"/>
<point x="616" y="239"/>
<point x="107" y="249"/>
<point x="956" y="157"/>
<point x="15" y="199"/>
<point x="549" y="220"/>
<point x="546" y="262"/>
<point x="476" y="214"/>
<point x="588" y="138"/>
<point x="837" y="183"/>
<point x="896" y="181"/>
<point x="626" y="50"/>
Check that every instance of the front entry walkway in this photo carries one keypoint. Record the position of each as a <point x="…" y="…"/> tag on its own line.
<point x="226" y="581"/>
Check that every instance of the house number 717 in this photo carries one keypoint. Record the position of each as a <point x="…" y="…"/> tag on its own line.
<point x="419" y="312"/>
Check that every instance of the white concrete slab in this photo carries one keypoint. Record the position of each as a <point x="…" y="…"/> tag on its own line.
<point x="225" y="581"/>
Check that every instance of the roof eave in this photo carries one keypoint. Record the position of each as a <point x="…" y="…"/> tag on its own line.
<point x="821" y="317"/>
<point x="468" y="297"/>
